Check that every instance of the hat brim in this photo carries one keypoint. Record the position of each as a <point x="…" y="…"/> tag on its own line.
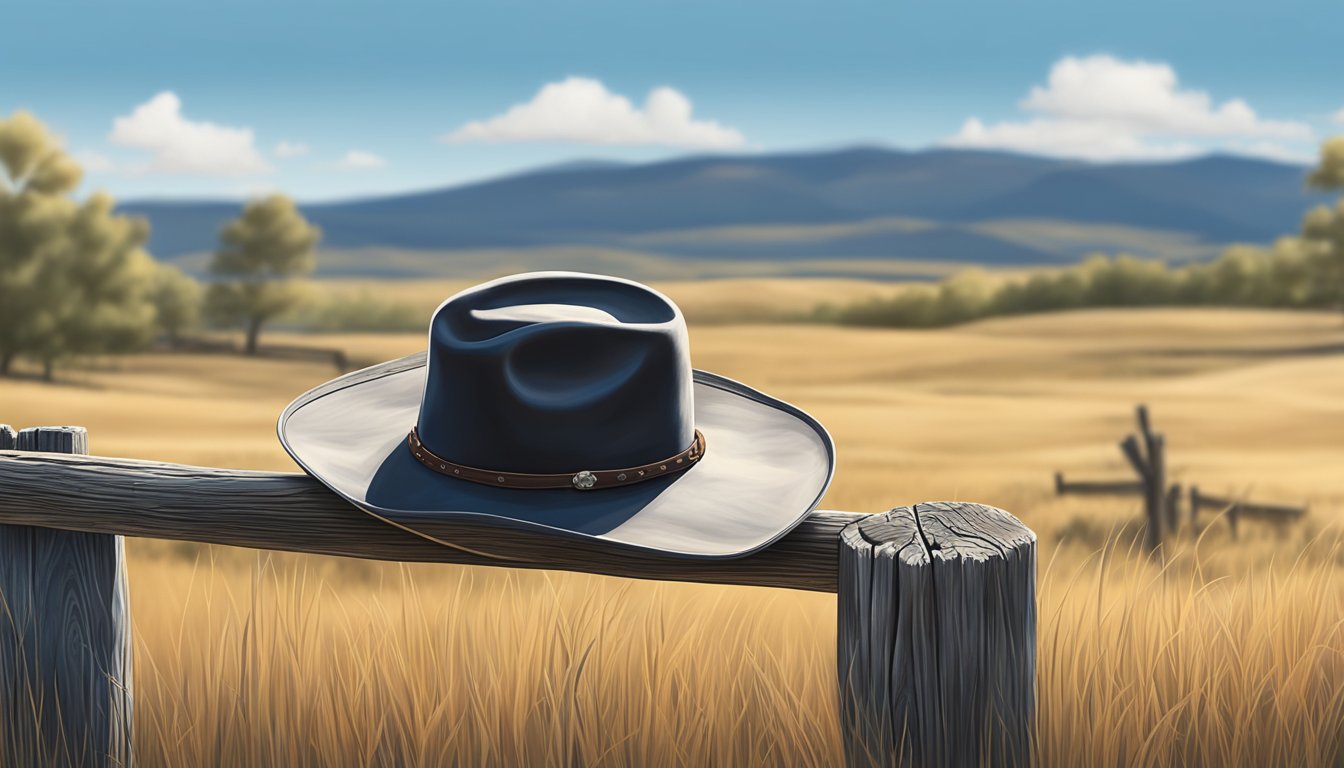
<point x="766" y="466"/>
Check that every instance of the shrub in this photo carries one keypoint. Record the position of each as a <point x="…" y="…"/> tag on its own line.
<point x="1293" y="273"/>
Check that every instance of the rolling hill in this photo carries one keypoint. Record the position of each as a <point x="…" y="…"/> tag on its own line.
<point x="814" y="213"/>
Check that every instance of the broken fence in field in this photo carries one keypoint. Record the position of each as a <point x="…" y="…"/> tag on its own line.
<point x="1147" y="454"/>
<point x="936" y="646"/>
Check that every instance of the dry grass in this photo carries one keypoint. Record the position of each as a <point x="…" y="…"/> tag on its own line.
<point x="415" y="666"/>
<point x="1145" y="666"/>
<point x="1233" y="654"/>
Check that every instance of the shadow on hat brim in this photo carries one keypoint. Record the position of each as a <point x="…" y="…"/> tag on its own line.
<point x="766" y="466"/>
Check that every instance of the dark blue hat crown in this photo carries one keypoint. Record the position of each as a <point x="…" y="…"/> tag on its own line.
<point x="553" y="372"/>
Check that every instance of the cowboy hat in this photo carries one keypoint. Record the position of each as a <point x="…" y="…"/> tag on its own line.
<point x="565" y="403"/>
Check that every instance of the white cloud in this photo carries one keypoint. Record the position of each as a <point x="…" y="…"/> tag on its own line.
<point x="1066" y="138"/>
<point x="1146" y="96"/>
<point x="1103" y="108"/>
<point x="1338" y="117"/>
<point x="359" y="160"/>
<point x="291" y="149"/>
<point x="582" y="110"/>
<point x="181" y="146"/>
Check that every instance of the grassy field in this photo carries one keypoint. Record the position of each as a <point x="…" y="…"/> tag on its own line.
<point x="1231" y="654"/>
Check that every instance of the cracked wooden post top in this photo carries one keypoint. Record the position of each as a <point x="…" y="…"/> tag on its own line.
<point x="937" y="637"/>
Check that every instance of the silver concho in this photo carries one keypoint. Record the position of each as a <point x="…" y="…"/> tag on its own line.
<point x="584" y="480"/>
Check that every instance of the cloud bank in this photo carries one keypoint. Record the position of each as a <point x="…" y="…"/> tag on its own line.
<point x="178" y="145"/>
<point x="1103" y="108"/>
<point x="582" y="110"/>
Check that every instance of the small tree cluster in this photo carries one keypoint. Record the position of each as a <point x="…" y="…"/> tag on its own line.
<point x="75" y="278"/>
<point x="73" y="274"/>
<point x="262" y="255"/>
<point x="1244" y="276"/>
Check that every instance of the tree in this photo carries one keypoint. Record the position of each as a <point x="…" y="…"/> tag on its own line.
<point x="262" y="256"/>
<point x="72" y="274"/>
<point x="1330" y="173"/>
<point x="177" y="301"/>
<point x="1323" y="226"/>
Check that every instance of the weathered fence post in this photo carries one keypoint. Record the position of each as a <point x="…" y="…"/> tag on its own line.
<point x="937" y="637"/>
<point x="1147" y="454"/>
<point x="1194" y="509"/>
<point x="1172" y="505"/>
<point x="65" y="663"/>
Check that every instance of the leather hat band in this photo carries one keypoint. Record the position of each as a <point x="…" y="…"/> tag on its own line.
<point x="583" y="480"/>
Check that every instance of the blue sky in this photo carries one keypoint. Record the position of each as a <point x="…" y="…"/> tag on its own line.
<point x="337" y="99"/>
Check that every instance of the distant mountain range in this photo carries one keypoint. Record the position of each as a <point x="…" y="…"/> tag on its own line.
<point x="855" y="211"/>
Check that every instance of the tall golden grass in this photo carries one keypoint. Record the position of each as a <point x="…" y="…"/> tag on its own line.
<point x="262" y="660"/>
<point x="273" y="664"/>
<point x="1227" y="653"/>
<point x="1141" y="664"/>
<point x="249" y="658"/>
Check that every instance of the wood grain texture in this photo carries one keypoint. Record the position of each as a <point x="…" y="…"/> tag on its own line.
<point x="937" y="637"/>
<point x="293" y="512"/>
<point x="65" y="665"/>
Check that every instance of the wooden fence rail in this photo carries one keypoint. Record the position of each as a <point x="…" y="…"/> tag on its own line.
<point x="1278" y="514"/>
<point x="936" y="625"/>
<point x="1097" y="487"/>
